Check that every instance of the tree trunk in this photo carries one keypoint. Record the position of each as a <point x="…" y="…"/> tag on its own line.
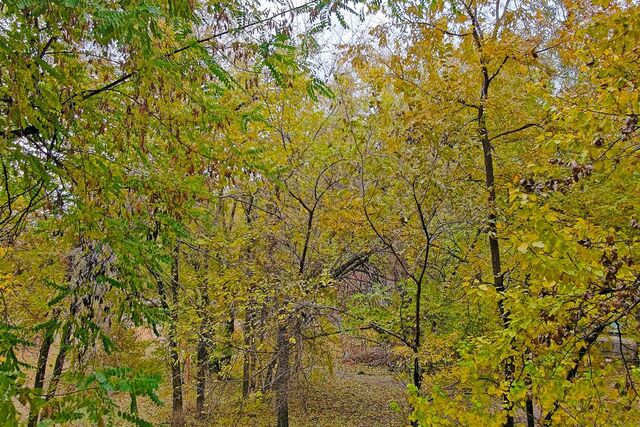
<point x="203" y="342"/>
<point x="417" y="372"/>
<point x="65" y="342"/>
<point x="176" y="379"/>
<point x="267" y="383"/>
<point x="217" y="365"/>
<point x="201" y="377"/>
<point x="531" y="419"/>
<point x="65" y="339"/>
<point x="282" y="377"/>
<point x="229" y="329"/>
<point x="43" y="359"/>
<point x="247" y="385"/>
<point x="494" y="246"/>
<point x="177" y="417"/>
<point x="588" y="342"/>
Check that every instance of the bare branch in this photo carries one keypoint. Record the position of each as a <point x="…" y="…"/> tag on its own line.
<point x="509" y="132"/>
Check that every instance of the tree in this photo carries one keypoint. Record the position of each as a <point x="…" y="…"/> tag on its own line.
<point x="457" y="191"/>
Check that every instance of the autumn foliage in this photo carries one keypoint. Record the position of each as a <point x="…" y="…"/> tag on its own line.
<point x="209" y="209"/>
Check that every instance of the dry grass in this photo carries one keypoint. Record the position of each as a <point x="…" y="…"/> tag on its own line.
<point x="357" y="393"/>
<point x="351" y="396"/>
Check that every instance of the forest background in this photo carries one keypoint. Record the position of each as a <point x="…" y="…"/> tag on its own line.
<point x="225" y="212"/>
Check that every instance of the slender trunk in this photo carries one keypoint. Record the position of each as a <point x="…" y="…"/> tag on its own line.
<point x="246" y="375"/>
<point x="229" y="329"/>
<point x="573" y="372"/>
<point x="43" y="359"/>
<point x="177" y="417"/>
<point x="307" y="238"/>
<point x="201" y="377"/>
<point x="494" y="245"/>
<point x="203" y="342"/>
<point x="217" y="364"/>
<point x="248" y="362"/>
<point x="176" y="379"/>
<point x="531" y="419"/>
<point x="268" y="376"/>
<point x="253" y="365"/>
<point x="417" y="372"/>
<point x="248" y="353"/>
<point x="282" y="377"/>
<point x="65" y="342"/>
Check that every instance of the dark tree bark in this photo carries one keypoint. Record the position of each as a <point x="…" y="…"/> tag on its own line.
<point x="247" y="383"/>
<point x="177" y="416"/>
<point x="249" y="356"/>
<point x="267" y="383"/>
<point x="201" y="376"/>
<point x="43" y="359"/>
<point x="177" y="413"/>
<point x="529" y="410"/>
<point x="65" y="343"/>
<point x="531" y="419"/>
<point x="573" y="372"/>
<point x="229" y="329"/>
<point x="417" y="373"/>
<point x="282" y="377"/>
<point x="217" y="364"/>
<point x="203" y="340"/>
<point x="494" y="245"/>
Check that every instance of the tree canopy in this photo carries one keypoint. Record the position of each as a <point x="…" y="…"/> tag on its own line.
<point x="210" y="209"/>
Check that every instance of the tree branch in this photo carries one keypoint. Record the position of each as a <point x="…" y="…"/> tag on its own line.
<point x="509" y="132"/>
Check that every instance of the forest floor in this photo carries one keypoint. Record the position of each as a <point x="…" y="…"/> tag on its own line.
<point x="350" y="396"/>
<point x="356" y="396"/>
